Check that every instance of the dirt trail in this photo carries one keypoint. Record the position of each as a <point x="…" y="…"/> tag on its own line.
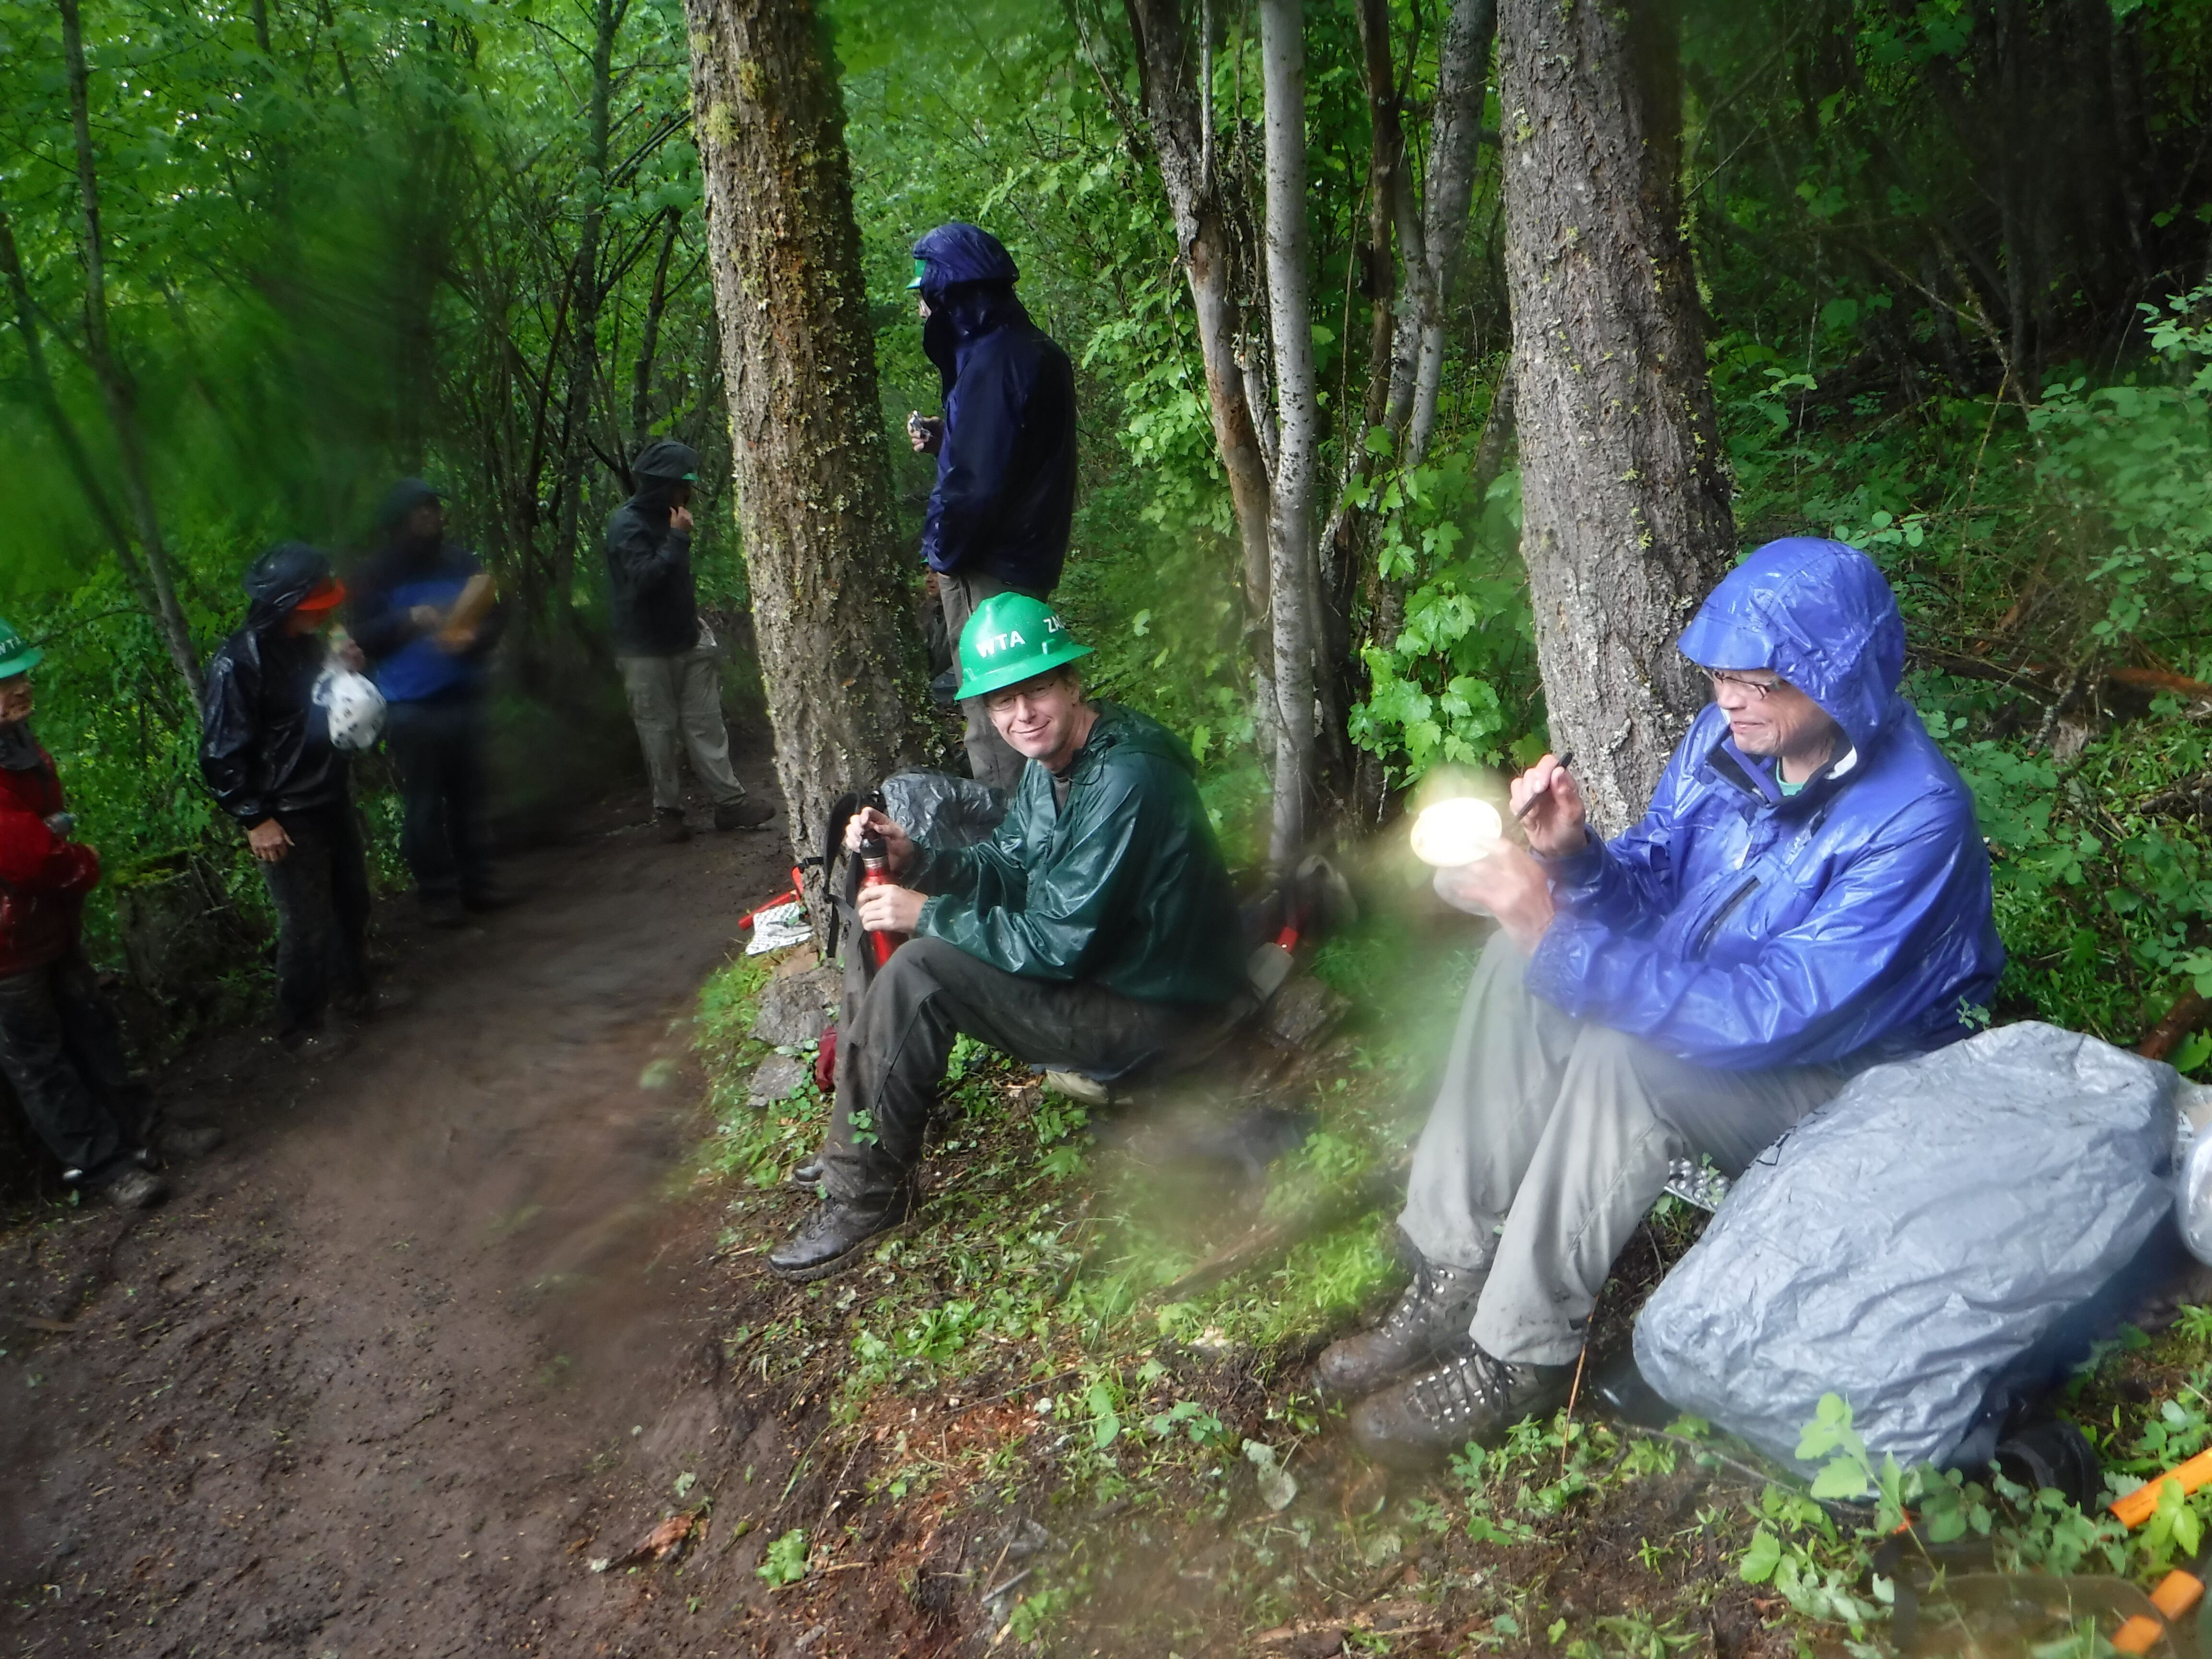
<point x="387" y="1367"/>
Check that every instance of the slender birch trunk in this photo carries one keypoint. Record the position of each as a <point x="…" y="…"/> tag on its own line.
<point x="1293" y="597"/>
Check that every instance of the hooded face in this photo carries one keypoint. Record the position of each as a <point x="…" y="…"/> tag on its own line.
<point x="1816" y="614"/>
<point x="401" y="512"/>
<point x="15" y="700"/>
<point x="1771" y="719"/>
<point x="281" y="578"/>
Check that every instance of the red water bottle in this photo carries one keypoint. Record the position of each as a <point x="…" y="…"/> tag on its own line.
<point x="875" y="871"/>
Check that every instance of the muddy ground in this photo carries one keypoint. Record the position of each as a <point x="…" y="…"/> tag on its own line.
<point x="428" y="1336"/>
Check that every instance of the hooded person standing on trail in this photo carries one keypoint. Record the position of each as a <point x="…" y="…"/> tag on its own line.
<point x="998" y="516"/>
<point x="1095" y="932"/>
<point x="670" y="661"/>
<point x="1807" y="895"/>
<point x="60" y="1047"/>
<point x="266" y="751"/>
<point x="424" y="615"/>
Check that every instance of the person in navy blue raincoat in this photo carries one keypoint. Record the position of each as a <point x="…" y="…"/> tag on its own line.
<point x="1807" y="895"/>
<point x="999" y="515"/>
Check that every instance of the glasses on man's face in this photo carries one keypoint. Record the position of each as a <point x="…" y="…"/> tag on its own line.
<point x="1000" y="702"/>
<point x="1758" y="689"/>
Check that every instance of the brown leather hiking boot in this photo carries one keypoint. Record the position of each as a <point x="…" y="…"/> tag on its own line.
<point x="1470" y="1397"/>
<point x="1430" y="1319"/>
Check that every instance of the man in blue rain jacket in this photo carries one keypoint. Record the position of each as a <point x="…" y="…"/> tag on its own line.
<point x="998" y="516"/>
<point x="1807" y="895"/>
<point x="434" y="672"/>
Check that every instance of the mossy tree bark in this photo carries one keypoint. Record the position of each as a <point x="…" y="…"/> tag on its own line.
<point x="1625" y="521"/>
<point x="812" y="472"/>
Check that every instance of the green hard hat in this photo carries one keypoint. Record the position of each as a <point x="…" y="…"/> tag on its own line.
<point x="921" y="271"/>
<point x="1011" y="638"/>
<point x="17" y="654"/>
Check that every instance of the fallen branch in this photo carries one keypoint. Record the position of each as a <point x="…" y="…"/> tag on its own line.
<point x="2185" y="1017"/>
<point x="2035" y="678"/>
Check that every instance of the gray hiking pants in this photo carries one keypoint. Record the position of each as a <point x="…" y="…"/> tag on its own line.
<point x="1550" y="1138"/>
<point x="676" y="701"/>
<point x="991" y="759"/>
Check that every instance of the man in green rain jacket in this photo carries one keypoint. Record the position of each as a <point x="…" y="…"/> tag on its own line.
<point x="1095" y="932"/>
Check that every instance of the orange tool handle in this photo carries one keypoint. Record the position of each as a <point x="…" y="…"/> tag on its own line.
<point x="2137" y="1507"/>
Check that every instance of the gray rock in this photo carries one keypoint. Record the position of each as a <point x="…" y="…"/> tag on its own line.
<point x="774" y="1077"/>
<point x="793" y="1010"/>
<point x="1301" y="1011"/>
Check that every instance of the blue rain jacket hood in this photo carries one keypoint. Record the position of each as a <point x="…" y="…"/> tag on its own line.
<point x="955" y="253"/>
<point x="1741" y="928"/>
<point x="1004" y="497"/>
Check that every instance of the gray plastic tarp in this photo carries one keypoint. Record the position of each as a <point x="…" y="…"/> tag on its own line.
<point x="1910" y="1239"/>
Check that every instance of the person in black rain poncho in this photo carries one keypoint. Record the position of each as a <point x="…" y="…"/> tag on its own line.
<point x="265" y="752"/>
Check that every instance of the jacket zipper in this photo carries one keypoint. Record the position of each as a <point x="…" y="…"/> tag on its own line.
<point x="1728" y="908"/>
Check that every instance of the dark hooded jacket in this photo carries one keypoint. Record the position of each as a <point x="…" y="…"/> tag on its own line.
<point x="408" y="571"/>
<point x="1123" y="885"/>
<point x="649" y="586"/>
<point x="1742" y="928"/>
<point x="1005" y="471"/>
<point x="264" y="744"/>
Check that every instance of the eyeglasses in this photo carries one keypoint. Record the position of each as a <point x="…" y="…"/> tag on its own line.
<point x="998" y="703"/>
<point x="1759" y="688"/>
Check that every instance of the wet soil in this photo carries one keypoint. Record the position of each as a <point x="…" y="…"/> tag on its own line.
<point x="429" y="1335"/>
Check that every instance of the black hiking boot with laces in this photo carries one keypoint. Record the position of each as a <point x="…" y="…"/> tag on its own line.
<point x="1431" y="1318"/>
<point x="837" y="1234"/>
<point x="1471" y="1396"/>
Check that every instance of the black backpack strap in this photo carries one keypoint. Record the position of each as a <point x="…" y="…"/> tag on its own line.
<point x="833" y="842"/>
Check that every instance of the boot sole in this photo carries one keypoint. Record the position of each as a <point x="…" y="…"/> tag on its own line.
<point x="837" y="1264"/>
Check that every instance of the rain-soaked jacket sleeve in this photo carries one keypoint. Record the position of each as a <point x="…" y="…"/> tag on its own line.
<point x="1629" y="883"/>
<point x="230" y="739"/>
<point x="1064" y="905"/>
<point x="982" y="428"/>
<point x="1866" y="961"/>
<point x="646" y="557"/>
<point x="981" y="873"/>
<point x="35" y="860"/>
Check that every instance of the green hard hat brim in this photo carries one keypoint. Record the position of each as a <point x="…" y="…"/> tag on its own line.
<point x="22" y="663"/>
<point x="1058" y="654"/>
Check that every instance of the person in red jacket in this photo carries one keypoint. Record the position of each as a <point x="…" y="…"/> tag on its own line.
<point x="59" y="1046"/>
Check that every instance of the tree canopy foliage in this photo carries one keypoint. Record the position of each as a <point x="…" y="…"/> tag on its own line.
<point x="1953" y="258"/>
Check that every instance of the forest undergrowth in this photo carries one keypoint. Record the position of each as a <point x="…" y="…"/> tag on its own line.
<point x="1052" y="1366"/>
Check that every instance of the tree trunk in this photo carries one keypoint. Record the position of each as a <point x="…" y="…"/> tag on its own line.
<point x="1625" y="504"/>
<point x="591" y="296"/>
<point x="1178" y="111"/>
<point x="813" y="475"/>
<point x="114" y="381"/>
<point x="649" y="344"/>
<point x="1293" y="600"/>
<point x="1454" y="142"/>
